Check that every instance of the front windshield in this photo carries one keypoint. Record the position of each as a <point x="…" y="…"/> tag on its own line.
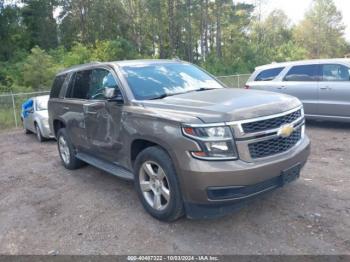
<point x="153" y="81"/>
<point x="41" y="104"/>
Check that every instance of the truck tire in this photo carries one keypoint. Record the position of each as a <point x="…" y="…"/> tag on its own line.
<point x="157" y="184"/>
<point x="66" y="151"/>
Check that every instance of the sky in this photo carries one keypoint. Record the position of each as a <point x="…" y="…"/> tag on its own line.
<point x="296" y="9"/>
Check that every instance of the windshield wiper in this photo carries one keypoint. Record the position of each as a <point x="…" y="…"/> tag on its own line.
<point x="201" y="89"/>
<point x="180" y="93"/>
<point x="206" y="88"/>
<point x="166" y="95"/>
<point x="159" y="97"/>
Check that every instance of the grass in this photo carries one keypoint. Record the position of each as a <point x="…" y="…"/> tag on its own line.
<point x="7" y="120"/>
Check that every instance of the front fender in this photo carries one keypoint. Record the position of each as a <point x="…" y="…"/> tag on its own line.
<point x="166" y="134"/>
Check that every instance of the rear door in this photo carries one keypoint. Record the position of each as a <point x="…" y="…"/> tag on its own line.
<point x="73" y="107"/>
<point x="334" y="90"/>
<point x="57" y="95"/>
<point x="102" y="117"/>
<point x="302" y="82"/>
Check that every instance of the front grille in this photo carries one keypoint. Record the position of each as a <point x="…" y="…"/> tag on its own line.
<point x="271" y="123"/>
<point x="274" y="146"/>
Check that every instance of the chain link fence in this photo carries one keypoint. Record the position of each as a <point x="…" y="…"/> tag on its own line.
<point x="11" y="104"/>
<point x="236" y="81"/>
<point x="10" y="108"/>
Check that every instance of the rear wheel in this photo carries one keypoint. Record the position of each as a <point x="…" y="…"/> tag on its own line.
<point x="66" y="151"/>
<point x="157" y="184"/>
<point x="26" y="131"/>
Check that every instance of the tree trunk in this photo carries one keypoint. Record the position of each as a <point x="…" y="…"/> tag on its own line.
<point x="171" y="27"/>
<point x="82" y="18"/>
<point x="204" y="29"/>
<point x="189" y="32"/>
<point x="218" y="28"/>
<point x="206" y="33"/>
<point x="160" y="33"/>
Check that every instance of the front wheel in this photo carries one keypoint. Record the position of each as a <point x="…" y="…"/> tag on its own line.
<point x="39" y="136"/>
<point x="157" y="184"/>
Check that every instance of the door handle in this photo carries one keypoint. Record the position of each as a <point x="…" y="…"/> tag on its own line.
<point x="66" y="108"/>
<point x="325" y="88"/>
<point x="91" y="113"/>
<point x="281" y="87"/>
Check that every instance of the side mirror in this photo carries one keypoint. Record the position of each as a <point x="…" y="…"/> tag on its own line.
<point x="109" y="92"/>
<point x="113" y="94"/>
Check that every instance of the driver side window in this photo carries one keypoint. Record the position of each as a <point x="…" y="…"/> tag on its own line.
<point x="99" y="80"/>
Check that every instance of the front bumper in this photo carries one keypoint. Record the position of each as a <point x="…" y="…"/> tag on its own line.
<point x="46" y="131"/>
<point x="199" y="178"/>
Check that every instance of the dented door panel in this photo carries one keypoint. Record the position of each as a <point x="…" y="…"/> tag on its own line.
<point x="102" y="119"/>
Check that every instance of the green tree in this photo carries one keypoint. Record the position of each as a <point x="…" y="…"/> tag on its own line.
<point x="87" y="21"/>
<point x="321" y="32"/>
<point x="79" y="54"/>
<point x="12" y="33"/>
<point x="38" y="70"/>
<point x="113" y="50"/>
<point x="40" y="23"/>
<point x="224" y="36"/>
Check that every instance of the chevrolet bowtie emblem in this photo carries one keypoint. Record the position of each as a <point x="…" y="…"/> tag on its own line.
<point x="285" y="130"/>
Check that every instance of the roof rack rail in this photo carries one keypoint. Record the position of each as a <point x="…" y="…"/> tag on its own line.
<point x="78" y="66"/>
<point x="81" y="65"/>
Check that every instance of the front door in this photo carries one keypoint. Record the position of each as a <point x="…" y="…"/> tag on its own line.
<point x="302" y="82"/>
<point x="102" y="117"/>
<point x="334" y="91"/>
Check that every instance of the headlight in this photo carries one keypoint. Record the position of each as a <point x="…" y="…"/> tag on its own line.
<point x="216" y="142"/>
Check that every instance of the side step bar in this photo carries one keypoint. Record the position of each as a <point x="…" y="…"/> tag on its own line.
<point x="106" y="166"/>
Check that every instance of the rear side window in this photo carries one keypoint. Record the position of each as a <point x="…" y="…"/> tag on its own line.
<point x="79" y="85"/>
<point x="57" y="85"/>
<point x="268" y="74"/>
<point x="303" y="73"/>
<point x="335" y="72"/>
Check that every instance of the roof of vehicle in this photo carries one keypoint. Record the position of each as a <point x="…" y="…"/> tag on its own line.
<point x="42" y="97"/>
<point x="138" y="62"/>
<point x="303" y="62"/>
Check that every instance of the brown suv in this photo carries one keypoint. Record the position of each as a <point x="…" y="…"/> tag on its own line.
<point x="191" y="145"/>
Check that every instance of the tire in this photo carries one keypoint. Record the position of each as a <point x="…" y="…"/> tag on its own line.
<point x="66" y="151"/>
<point x="39" y="136"/>
<point x="167" y="202"/>
<point x="26" y="131"/>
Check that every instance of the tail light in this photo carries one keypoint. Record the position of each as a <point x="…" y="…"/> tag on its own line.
<point x="246" y="87"/>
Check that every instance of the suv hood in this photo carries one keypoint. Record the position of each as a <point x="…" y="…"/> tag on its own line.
<point x="224" y="104"/>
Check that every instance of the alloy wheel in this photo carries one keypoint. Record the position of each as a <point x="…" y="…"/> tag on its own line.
<point x="38" y="134"/>
<point x="154" y="185"/>
<point x="64" y="149"/>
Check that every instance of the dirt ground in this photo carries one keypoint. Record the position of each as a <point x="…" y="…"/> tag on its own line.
<point x="47" y="209"/>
